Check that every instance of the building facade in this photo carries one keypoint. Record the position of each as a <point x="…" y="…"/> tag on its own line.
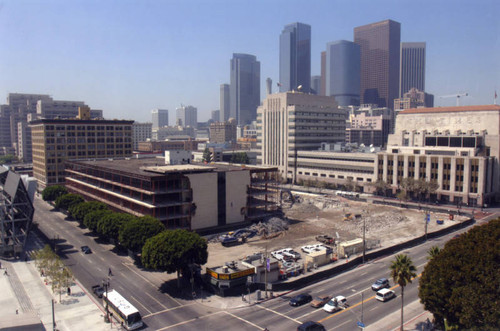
<point x="225" y="104"/>
<point x="412" y="71"/>
<point x="173" y="132"/>
<point x="155" y="146"/>
<point x="215" y="115"/>
<point x="244" y="89"/>
<point x="380" y="54"/>
<point x="343" y="72"/>
<point x="316" y="85"/>
<point x="190" y="196"/>
<point x="414" y="99"/>
<point x="141" y="132"/>
<point x="295" y="58"/>
<point x="57" y="140"/>
<point x="290" y="122"/>
<point x="223" y="132"/>
<point x="187" y="116"/>
<point x="159" y="118"/>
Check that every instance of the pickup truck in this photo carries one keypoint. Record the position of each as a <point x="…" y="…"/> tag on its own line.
<point x="98" y="290"/>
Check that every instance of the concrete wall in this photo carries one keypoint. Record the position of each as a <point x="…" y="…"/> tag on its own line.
<point x="204" y="188"/>
<point x="236" y="195"/>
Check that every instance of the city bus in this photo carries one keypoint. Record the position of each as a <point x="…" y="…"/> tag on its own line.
<point x="127" y="314"/>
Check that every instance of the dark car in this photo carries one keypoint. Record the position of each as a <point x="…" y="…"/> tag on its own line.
<point x="320" y="301"/>
<point x="380" y="284"/>
<point x="98" y="290"/>
<point x="311" y="326"/>
<point x="86" y="249"/>
<point x="300" y="299"/>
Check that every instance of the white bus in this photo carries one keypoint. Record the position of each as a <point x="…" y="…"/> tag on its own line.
<point x="127" y="314"/>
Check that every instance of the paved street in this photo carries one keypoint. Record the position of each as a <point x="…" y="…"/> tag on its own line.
<point x="148" y="291"/>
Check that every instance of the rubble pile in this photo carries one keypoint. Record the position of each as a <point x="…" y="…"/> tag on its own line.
<point x="375" y="224"/>
<point x="271" y="226"/>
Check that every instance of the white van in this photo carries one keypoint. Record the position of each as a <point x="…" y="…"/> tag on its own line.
<point x="385" y="294"/>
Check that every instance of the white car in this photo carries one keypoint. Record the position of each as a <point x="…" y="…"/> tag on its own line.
<point x="336" y="304"/>
<point x="312" y="248"/>
<point x="385" y="294"/>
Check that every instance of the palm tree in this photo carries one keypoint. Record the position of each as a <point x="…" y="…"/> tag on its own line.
<point x="402" y="272"/>
<point x="433" y="252"/>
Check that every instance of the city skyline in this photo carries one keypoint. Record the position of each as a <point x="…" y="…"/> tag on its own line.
<point x="130" y="60"/>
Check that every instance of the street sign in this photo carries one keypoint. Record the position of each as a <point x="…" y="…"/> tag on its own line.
<point x="361" y="325"/>
<point x="428" y="218"/>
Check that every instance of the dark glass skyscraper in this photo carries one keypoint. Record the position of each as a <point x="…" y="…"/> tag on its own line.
<point x="295" y="57"/>
<point x="380" y="47"/>
<point x="412" y="69"/>
<point x="343" y="61"/>
<point x="225" y="105"/>
<point x="244" y="89"/>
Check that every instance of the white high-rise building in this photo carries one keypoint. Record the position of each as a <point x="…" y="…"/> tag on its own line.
<point x="160" y="118"/>
<point x="141" y="132"/>
<point x="187" y="116"/>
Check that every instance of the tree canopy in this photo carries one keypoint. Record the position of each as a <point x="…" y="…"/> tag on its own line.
<point x="90" y="220"/>
<point x="67" y="200"/>
<point x="79" y="211"/>
<point x="109" y="225"/>
<point x="174" y="250"/>
<point x="207" y="156"/>
<point x="8" y="159"/>
<point x="462" y="283"/>
<point x="133" y="234"/>
<point x="51" y="193"/>
<point x="241" y="158"/>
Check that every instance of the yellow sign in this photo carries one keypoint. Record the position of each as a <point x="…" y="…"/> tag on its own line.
<point x="229" y="276"/>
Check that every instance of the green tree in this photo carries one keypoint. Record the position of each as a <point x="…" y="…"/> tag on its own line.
<point x="90" y="220"/>
<point x="79" y="211"/>
<point x="133" y="234"/>
<point x="381" y="187"/>
<point x="174" y="250"/>
<point x="51" y="193"/>
<point x="433" y="252"/>
<point x="67" y="200"/>
<point x="461" y="285"/>
<point x="408" y="185"/>
<point x="8" y="159"/>
<point x="349" y="184"/>
<point x="207" y="156"/>
<point x="109" y="225"/>
<point x="402" y="272"/>
<point x="241" y="158"/>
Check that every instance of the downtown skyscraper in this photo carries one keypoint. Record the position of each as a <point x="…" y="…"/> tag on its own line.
<point x="342" y="71"/>
<point x="159" y="118"/>
<point x="295" y="57"/>
<point x="412" y="71"/>
<point x="380" y="49"/>
<point x="244" y="88"/>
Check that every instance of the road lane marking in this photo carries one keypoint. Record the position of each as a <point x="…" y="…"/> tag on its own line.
<point x="191" y="320"/>
<point x="150" y="283"/>
<point x="167" y="310"/>
<point x="338" y="326"/>
<point x="359" y="303"/>
<point x="149" y="311"/>
<point x="244" y="320"/>
<point x="152" y="297"/>
<point x="278" y="313"/>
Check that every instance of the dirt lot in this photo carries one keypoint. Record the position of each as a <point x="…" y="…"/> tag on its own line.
<point x="312" y="215"/>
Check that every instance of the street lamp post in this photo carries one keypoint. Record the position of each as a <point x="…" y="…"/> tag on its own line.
<point x="364" y="241"/>
<point x="105" y="285"/>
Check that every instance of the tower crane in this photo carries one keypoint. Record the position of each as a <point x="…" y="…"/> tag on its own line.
<point x="457" y="95"/>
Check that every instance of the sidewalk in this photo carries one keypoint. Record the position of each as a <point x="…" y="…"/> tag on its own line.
<point x="393" y="320"/>
<point x="26" y="300"/>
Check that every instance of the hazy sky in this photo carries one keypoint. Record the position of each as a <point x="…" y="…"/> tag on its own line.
<point x="129" y="57"/>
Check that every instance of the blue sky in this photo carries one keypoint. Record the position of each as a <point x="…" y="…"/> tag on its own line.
<point x="129" y="57"/>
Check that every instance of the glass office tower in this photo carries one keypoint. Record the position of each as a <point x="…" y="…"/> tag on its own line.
<point x="343" y="70"/>
<point x="244" y="88"/>
<point x="295" y="57"/>
<point x="412" y="69"/>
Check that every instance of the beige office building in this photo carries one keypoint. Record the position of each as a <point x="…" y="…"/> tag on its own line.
<point x="55" y="140"/>
<point x="290" y="122"/>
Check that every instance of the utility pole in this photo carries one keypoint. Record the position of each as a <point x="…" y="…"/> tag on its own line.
<point x="105" y="285"/>
<point x="427" y="217"/>
<point x="265" y="273"/>
<point x="364" y="241"/>
<point x="362" y="310"/>
<point x="53" y="317"/>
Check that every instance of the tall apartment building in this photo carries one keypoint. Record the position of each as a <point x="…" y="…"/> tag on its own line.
<point x="215" y="115"/>
<point x="368" y="130"/>
<point x="56" y="140"/>
<point x="244" y="88"/>
<point x="224" y="101"/>
<point x="187" y="116"/>
<point x="159" y="118"/>
<point x="295" y="58"/>
<point x="141" y="132"/>
<point x="412" y="71"/>
<point x="289" y="122"/>
<point x="380" y="55"/>
<point x="223" y="132"/>
<point x="343" y="65"/>
<point x="24" y="147"/>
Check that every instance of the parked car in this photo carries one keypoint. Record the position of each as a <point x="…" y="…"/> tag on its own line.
<point x="98" y="290"/>
<point x="337" y="303"/>
<point x="385" y="294"/>
<point x="300" y="300"/>
<point x="86" y="249"/>
<point x="320" y="301"/>
<point x="311" y="326"/>
<point x="380" y="284"/>
<point x="290" y="253"/>
<point x="325" y="239"/>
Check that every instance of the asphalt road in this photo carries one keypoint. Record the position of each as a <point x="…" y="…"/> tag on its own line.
<point x="162" y="311"/>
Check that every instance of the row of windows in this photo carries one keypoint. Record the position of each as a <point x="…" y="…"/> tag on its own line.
<point x="88" y="127"/>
